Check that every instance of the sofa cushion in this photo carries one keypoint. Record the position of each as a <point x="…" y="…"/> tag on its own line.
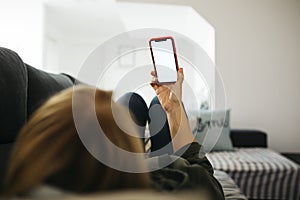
<point x="42" y="85"/>
<point x="213" y="130"/>
<point x="13" y="90"/>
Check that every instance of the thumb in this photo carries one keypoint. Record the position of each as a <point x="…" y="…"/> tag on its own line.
<point x="154" y="85"/>
<point x="180" y="75"/>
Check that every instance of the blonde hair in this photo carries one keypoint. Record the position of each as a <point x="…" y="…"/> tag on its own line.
<point x="48" y="149"/>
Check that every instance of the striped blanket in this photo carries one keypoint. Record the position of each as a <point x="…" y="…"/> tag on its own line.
<point x="260" y="173"/>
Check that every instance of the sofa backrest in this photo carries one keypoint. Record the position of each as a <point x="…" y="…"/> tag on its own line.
<point x="22" y="90"/>
<point x="248" y="138"/>
<point x="13" y="95"/>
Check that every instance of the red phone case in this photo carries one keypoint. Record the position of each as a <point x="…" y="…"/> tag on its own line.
<point x="174" y="50"/>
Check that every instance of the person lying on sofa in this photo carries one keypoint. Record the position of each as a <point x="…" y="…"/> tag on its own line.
<point x="49" y="151"/>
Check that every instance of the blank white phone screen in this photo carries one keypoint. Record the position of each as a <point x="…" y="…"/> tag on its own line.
<point x="164" y="61"/>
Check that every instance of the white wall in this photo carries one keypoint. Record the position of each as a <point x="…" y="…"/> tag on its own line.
<point x="258" y="52"/>
<point x="21" y="29"/>
<point x="73" y="29"/>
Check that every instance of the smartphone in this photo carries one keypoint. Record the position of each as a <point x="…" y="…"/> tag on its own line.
<point x="164" y="59"/>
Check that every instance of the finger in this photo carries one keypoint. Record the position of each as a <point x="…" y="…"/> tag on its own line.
<point x="154" y="86"/>
<point x="154" y="83"/>
<point x="180" y="70"/>
<point x="154" y="80"/>
<point x="153" y="73"/>
<point x="180" y="75"/>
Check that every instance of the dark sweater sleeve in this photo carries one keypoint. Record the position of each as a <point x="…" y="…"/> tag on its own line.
<point x="190" y="152"/>
<point x="200" y="170"/>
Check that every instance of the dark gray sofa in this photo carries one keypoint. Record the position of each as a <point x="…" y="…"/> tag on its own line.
<point x="22" y="90"/>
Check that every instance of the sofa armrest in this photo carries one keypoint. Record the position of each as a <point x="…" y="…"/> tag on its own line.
<point x="248" y="138"/>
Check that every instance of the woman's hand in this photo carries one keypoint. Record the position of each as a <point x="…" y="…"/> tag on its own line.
<point x="170" y="99"/>
<point x="169" y="95"/>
